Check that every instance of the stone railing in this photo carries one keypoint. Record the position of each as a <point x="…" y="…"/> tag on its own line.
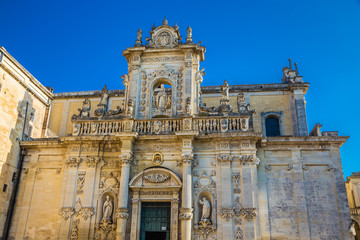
<point x="355" y="211"/>
<point x="161" y="126"/>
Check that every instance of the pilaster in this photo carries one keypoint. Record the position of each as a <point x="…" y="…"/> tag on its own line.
<point x="226" y="210"/>
<point x="187" y="160"/>
<point x="126" y="159"/>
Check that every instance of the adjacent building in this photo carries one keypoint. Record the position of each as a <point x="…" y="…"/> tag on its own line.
<point x="167" y="158"/>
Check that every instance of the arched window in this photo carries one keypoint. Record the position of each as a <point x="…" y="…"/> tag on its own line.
<point x="272" y="126"/>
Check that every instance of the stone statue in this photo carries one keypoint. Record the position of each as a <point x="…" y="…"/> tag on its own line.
<point x="225" y="90"/>
<point x="188" y="105"/>
<point x="199" y="75"/>
<point x="107" y="209"/>
<point x="130" y="110"/>
<point x="139" y="34"/>
<point x="189" y="32"/>
<point x="125" y="79"/>
<point x="103" y="103"/>
<point x="84" y="112"/>
<point x="352" y="229"/>
<point x="104" y="96"/>
<point x="286" y="75"/>
<point x="205" y="208"/>
<point x="162" y="99"/>
<point x="189" y="35"/>
<point x="138" y="41"/>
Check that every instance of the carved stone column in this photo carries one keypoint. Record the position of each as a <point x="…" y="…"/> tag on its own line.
<point x="135" y="220"/>
<point x="174" y="215"/>
<point x="87" y="209"/>
<point x="126" y="159"/>
<point x="186" y="210"/>
<point x="227" y="210"/>
<point x="67" y="210"/>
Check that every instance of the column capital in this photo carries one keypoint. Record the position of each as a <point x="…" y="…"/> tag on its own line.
<point x="187" y="159"/>
<point x="126" y="158"/>
<point x="73" y="161"/>
<point x="225" y="160"/>
<point x="186" y="213"/>
<point x="122" y="213"/>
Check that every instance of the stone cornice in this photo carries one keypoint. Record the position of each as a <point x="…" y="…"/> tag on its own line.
<point x="31" y="78"/>
<point x="88" y="94"/>
<point x="256" y="87"/>
<point x="308" y="140"/>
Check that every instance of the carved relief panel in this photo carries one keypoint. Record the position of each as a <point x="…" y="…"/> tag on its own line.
<point x="205" y="213"/>
<point x="106" y="216"/>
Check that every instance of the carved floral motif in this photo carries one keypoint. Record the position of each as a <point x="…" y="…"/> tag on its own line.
<point x="248" y="213"/>
<point x="86" y="212"/>
<point x="75" y="230"/>
<point x="80" y="182"/>
<point x="227" y="213"/>
<point x="236" y="179"/>
<point x="225" y="160"/>
<point x="67" y="212"/>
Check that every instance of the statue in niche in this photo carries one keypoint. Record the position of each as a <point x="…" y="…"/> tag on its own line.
<point x="163" y="101"/>
<point x="205" y="209"/>
<point x="103" y="102"/>
<point x="225" y="90"/>
<point x="107" y="209"/>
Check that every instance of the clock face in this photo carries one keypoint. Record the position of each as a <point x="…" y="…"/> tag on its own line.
<point x="163" y="39"/>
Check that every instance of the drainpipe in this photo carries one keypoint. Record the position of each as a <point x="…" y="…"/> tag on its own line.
<point x="14" y="192"/>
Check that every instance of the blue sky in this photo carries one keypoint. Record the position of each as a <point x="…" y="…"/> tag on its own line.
<point x="77" y="46"/>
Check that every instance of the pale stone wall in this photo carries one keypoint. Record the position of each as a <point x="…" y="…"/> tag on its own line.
<point x="22" y="99"/>
<point x="303" y="191"/>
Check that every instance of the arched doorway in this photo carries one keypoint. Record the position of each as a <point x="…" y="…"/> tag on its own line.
<point x="155" y="204"/>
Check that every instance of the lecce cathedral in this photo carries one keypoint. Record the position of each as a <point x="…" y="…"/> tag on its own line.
<point x="166" y="158"/>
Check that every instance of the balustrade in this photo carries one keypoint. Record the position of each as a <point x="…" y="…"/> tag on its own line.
<point x="161" y="126"/>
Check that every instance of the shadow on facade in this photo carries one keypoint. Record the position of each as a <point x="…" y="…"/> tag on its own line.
<point x="12" y="164"/>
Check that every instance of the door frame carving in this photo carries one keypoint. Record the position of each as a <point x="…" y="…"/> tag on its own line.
<point x="155" y="184"/>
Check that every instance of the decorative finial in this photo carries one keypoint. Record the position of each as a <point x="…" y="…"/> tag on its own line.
<point x="165" y="22"/>
<point x="296" y="70"/>
<point x="290" y="65"/>
<point x="189" y="35"/>
<point x="153" y="27"/>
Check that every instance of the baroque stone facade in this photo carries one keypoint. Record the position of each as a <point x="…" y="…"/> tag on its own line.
<point x="168" y="158"/>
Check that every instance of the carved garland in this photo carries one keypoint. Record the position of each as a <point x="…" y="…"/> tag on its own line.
<point x="156" y="178"/>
